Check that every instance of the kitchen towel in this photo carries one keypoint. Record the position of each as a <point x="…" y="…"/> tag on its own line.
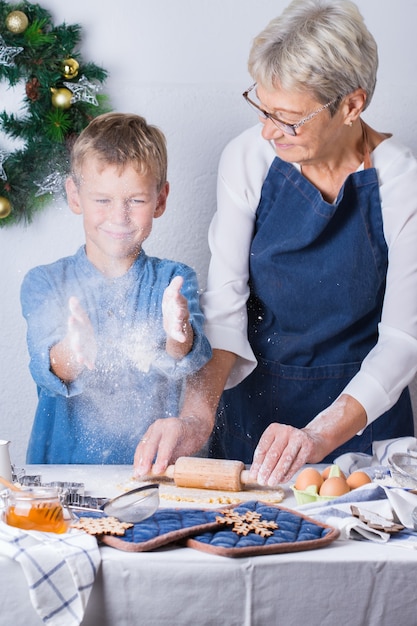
<point x="60" y="570"/>
<point x="393" y="504"/>
<point x="381" y="451"/>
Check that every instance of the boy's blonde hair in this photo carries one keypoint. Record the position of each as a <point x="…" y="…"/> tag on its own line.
<point x="122" y="139"/>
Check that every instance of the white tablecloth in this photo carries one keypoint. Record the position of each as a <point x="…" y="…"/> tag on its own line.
<point x="349" y="582"/>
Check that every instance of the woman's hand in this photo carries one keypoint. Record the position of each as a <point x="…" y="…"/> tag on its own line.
<point x="166" y="440"/>
<point x="283" y="450"/>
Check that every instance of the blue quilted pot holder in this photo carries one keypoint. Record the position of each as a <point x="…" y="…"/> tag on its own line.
<point x="164" y="527"/>
<point x="294" y="532"/>
<point x="199" y="528"/>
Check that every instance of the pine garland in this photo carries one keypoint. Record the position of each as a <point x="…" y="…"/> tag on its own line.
<point x="60" y="100"/>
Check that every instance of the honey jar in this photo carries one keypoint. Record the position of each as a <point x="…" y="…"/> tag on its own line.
<point x="35" y="508"/>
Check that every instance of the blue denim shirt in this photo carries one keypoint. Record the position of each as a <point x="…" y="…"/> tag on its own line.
<point x="101" y="416"/>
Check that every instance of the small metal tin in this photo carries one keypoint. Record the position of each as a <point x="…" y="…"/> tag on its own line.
<point x="403" y="468"/>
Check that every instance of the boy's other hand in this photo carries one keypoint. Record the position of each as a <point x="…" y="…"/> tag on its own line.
<point x="81" y="335"/>
<point x="175" y="311"/>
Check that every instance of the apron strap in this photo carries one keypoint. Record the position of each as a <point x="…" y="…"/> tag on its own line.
<point x="367" y="163"/>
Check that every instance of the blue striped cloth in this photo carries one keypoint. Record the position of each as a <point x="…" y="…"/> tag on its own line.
<point x="60" y="570"/>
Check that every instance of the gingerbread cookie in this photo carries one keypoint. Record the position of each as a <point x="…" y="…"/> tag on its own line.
<point x="101" y="525"/>
<point x="249" y="522"/>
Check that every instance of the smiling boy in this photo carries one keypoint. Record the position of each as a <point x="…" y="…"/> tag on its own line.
<point x="112" y="333"/>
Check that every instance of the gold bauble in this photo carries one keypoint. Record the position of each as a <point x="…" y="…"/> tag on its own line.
<point x="5" y="207"/>
<point x="61" y="98"/>
<point x="17" y="22"/>
<point x="70" y="68"/>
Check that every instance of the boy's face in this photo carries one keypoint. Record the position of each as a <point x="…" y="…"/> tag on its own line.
<point x="118" y="207"/>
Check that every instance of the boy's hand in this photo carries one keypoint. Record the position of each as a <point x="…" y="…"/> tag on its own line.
<point x="175" y="311"/>
<point x="81" y="336"/>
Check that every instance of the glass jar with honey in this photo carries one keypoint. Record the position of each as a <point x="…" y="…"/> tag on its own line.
<point x="35" y="508"/>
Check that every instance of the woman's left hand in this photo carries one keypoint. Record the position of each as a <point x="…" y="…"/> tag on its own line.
<point x="281" y="452"/>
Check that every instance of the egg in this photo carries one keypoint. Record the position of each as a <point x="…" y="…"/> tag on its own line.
<point x="308" y="477"/>
<point x="334" y="486"/>
<point x="357" y="479"/>
<point x="332" y="470"/>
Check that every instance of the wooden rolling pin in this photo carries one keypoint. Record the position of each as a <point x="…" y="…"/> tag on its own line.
<point x="202" y="473"/>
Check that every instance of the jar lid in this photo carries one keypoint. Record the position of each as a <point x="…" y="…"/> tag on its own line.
<point x="35" y="493"/>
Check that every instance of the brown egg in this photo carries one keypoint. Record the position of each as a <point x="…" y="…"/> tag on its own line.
<point x="334" y="486"/>
<point x="333" y="470"/>
<point x="357" y="479"/>
<point x="307" y="478"/>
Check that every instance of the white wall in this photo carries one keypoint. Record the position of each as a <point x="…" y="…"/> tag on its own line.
<point x="181" y="64"/>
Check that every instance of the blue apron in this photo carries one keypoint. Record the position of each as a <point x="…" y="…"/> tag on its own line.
<point x="317" y="283"/>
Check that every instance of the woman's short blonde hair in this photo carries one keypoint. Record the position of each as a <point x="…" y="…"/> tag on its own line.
<point x="122" y="139"/>
<point x="319" y="46"/>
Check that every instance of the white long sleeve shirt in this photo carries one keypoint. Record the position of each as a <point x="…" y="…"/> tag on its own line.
<point x="392" y="363"/>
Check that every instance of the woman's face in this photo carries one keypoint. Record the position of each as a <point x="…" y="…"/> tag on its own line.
<point x="318" y="140"/>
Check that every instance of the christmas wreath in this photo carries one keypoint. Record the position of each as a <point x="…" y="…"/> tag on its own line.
<point x="61" y="98"/>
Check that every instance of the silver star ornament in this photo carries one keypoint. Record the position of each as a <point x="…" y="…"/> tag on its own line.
<point x="7" y="53"/>
<point x="83" y="91"/>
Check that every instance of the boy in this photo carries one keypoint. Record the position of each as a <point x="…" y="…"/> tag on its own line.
<point x="112" y="333"/>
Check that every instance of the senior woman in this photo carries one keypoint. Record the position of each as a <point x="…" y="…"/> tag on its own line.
<point x="311" y="302"/>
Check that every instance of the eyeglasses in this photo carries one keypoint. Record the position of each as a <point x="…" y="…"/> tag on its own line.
<point x="289" y="129"/>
